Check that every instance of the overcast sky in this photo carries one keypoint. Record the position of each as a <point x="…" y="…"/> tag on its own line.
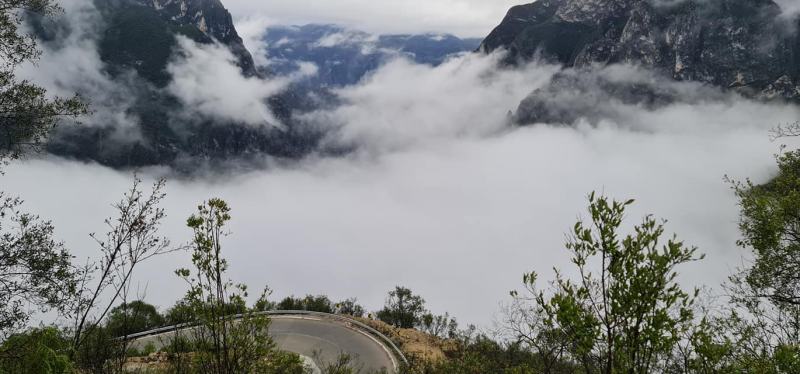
<point x="466" y="18"/>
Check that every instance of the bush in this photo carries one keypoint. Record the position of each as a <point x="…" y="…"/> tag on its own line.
<point x="344" y="364"/>
<point x="133" y="317"/>
<point x="180" y="313"/>
<point x="403" y="309"/>
<point x="279" y="362"/>
<point x="320" y="303"/>
<point x="100" y="352"/>
<point x="350" y="307"/>
<point x="43" y="350"/>
<point x="148" y="349"/>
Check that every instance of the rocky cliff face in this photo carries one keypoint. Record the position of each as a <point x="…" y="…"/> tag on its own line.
<point x="746" y="45"/>
<point x="140" y="34"/>
<point x="210" y="18"/>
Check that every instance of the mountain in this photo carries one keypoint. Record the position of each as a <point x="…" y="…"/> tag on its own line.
<point x="744" y="45"/>
<point x="344" y="56"/>
<point x="138" y="43"/>
<point x="145" y="30"/>
<point x="138" y="39"/>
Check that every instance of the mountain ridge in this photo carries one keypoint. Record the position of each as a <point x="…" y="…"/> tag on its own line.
<point x="344" y="56"/>
<point x="744" y="45"/>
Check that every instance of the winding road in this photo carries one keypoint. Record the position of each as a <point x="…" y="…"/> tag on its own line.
<point x="318" y="337"/>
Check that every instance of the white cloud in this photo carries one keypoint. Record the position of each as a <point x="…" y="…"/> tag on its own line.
<point x="346" y="37"/>
<point x="207" y="80"/>
<point x="405" y="103"/>
<point x="71" y="63"/>
<point x="470" y="18"/>
<point x="790" y="7"/>
<point x="448" y="202"/>
<point x="252" y="29"/>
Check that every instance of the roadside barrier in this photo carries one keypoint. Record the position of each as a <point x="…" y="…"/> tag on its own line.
<point x="394" y="351"/>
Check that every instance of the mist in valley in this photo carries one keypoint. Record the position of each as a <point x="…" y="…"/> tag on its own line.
<point x="441" y="193"/>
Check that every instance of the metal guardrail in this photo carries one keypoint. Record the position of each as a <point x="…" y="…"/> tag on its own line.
<point x="339" y="317"/>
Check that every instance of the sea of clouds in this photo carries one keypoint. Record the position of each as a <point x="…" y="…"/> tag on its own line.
<point x="441" y="193"/>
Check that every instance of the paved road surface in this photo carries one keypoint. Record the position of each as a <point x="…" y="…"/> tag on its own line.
<point x="320" y="338"/>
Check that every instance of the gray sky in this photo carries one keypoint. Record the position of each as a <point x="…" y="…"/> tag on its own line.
<point x="467" y="18"/>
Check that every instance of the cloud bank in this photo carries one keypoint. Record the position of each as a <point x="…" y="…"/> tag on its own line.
<point x="445" y="198"/>
<point x="252" y="29"/>
<point x="206" y="79"/>
<point x="790" y="7"/>
<point x="404" y="103"/>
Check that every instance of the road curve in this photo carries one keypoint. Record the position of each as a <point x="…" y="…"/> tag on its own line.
<point x="317" y="337"/>
<point x="324" y="340"/>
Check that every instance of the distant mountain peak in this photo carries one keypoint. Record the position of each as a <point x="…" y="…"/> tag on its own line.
<point x="344" y="56"/>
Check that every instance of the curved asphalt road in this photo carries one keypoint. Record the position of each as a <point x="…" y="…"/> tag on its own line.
<point x="318" y="338"/>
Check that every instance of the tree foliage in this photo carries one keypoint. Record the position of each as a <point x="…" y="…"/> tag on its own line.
<point x="625" y="312"/>
<point x="441" y="326"/>
<point x="770" y="227"/>
<point x="27" y="114"/>
<point x="403" y="309"/>
<point x="350" y="307"/>
<point x="36" y="351"/>
<point x="759" y="330"/>
<point x="132" y="317"/>
<point x="35" y="270"/>
<point x="320" y="303"/>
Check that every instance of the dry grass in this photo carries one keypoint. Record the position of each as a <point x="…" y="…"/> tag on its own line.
<point x="414" y="343"/>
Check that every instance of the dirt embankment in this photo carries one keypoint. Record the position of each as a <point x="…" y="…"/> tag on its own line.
<point x="414" y="343"/>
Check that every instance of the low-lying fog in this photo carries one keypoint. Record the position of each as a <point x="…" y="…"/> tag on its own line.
<point x="442" y="196"/>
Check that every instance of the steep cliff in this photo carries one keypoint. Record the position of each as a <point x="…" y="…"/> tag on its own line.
<point x="140" y="34"/>
<point x="746" y="45"/>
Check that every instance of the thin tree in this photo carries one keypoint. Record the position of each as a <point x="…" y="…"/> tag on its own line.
<point x="402" y="309"/>
<point x="132" y="238"/>
<point x="225" y="343"/>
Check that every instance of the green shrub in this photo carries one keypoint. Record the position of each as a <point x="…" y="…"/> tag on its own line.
<point x="133" y="317"/>
<point x="280" y="362"/>
<point x="320" y="303"/>
<point x="43" y="350"/>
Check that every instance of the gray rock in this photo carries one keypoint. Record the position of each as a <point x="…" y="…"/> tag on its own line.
<point x="595" y="94"/>
<point x="745" y="45"/>
<point x="210" y="18"/>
